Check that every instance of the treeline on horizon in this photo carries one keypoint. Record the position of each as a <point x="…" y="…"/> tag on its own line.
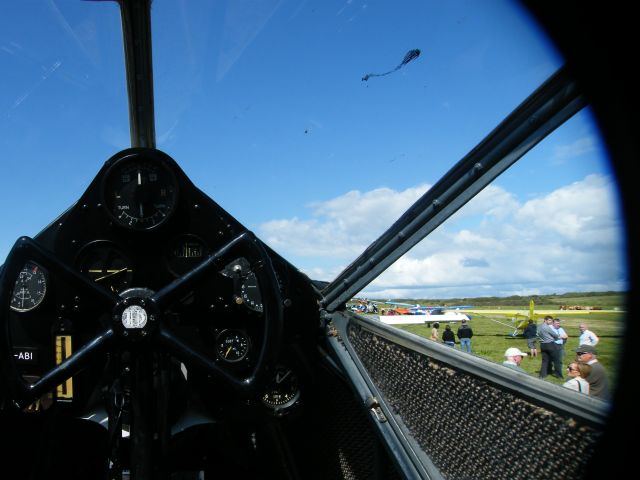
<point x="594" y="299"/>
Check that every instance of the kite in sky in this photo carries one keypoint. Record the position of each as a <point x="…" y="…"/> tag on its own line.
<point x="411" y="55"/>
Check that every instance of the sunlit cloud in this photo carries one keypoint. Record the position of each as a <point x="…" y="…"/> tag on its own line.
<point x="342" y="227"/>
<point x="567" y="240"/>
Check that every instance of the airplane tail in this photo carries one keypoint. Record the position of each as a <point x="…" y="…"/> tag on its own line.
<point x="531" y="317"/>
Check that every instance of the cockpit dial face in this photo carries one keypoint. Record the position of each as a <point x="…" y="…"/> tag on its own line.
<point x="185" y="253"/>
<point x="250" y="293"/>
<point x="248" y="289"/>
<point x="139" y="193"/>
<point x="106" y="265"/>
<point x="232" y="345"/>
<point x="283" y="391"/>
<point x="30" y="288"/>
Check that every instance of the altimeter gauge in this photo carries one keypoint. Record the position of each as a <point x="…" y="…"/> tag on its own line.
<point x="30" y="288"/>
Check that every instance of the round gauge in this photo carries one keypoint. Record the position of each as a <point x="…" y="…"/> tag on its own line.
<point x="250" y="293"/>
<point x="246" y="284"/>
<point x="105" y="264"/>
<point x="283" y="391"/>
<point x="30" y="288"/>
<point x="232" y="346"/>
<point x="140" y="193"/>
<point x="185" y="253"/>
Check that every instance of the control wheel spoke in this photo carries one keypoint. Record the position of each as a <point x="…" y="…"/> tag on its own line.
<point x="181" y="286"/>
<point x="190" y="355"/>
<point x="27" y="251"/>
<point x="27" y="393"/>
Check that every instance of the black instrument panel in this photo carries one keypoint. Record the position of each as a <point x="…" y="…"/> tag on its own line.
<point x="142" y="225"/>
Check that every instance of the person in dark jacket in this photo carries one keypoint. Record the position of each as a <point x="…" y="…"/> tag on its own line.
<point x="597" y="378"/>
<point x="464" y="334"/>
<point x="448" y="337"/>
<point x="549" y="349"/>
<point x="531" y="334"/>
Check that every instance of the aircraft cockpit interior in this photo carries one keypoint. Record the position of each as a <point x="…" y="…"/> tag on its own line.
<point x="154" y="330"/>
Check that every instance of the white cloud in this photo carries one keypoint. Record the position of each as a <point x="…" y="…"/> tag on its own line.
<point x="343" y="226"/>
<point x="567" y="240"/>
<point x="583" y="212"/>
<point x="579" y="147"/>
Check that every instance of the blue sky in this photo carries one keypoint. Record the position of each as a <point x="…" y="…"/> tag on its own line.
<point x="262" y="103"/>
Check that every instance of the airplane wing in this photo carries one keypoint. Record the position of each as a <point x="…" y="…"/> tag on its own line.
<point x="400" y="304"/>
<point x="537" y="313"/>
<point x="424" y="318"/>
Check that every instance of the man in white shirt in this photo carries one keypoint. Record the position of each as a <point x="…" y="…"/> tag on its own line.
<point x="562" y="339"/>
<point x="587" y="337"/>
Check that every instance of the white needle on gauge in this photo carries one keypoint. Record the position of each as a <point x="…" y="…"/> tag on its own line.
<point x="279" y="378"/>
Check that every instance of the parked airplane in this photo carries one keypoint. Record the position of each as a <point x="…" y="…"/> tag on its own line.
<point x="363" y="306"/>
<point x="147" y="334"/>
<point x="520" y="318"/>
<point x="410" y="314"/>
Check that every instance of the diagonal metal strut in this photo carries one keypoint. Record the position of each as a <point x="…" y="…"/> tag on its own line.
<point x="553" y="103"/>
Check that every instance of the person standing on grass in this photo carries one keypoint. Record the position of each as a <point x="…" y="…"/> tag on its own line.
<point x="549" y="349"/>
<point x="434" y="332"/>
<point x="464" y="335"/>
<point x="560" y="342"/>
<point x="597" y="378"/>
<point x="587" y="337"/>
<point x="448" y="337"/>
<point x="531" y="334"/>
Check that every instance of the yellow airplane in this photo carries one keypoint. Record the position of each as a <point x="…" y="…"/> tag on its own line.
<point x="520" y="318"/>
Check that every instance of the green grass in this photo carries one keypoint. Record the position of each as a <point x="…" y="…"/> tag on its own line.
<point x="491" y="339"/>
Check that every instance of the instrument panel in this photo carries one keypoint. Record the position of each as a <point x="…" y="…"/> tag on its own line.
<point x="140" y="226"/>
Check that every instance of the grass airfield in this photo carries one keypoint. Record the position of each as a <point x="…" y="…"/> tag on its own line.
<point x="491" y="339"/>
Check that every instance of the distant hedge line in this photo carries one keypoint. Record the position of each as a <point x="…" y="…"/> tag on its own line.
<point x="595" y="299"/>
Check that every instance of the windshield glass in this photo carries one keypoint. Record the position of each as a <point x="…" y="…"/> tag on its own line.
<point x="316" y="124"/>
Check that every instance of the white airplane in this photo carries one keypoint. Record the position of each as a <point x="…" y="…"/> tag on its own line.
<point x="418" y="314"/>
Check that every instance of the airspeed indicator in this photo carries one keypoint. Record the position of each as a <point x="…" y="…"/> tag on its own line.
<point x="29" y="289"/>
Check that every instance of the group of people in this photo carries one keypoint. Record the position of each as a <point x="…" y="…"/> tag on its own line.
<point x="586" y="374"/>
<point x="449" y="338"/>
